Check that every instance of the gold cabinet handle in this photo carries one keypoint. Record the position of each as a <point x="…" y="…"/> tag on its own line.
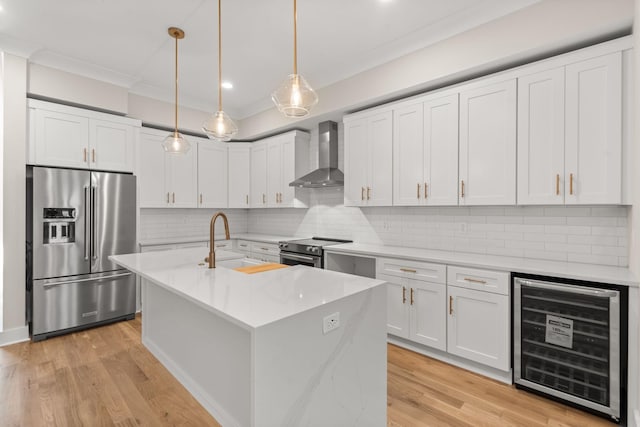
<point x="571" y="183"/>
<point x="174" y="197"/>
<point x="368" y="193"/>
<point x="221" y="245"/>
<point x="557" y="184"/>
<point x="450" y="305"/>
<point x="276" y="197"/>
<point x="418" y="191"/>
<point x="408" y="270"/>
<point x="425" y="190"/>
<point x="265" y="249"/>
<point x="411" y="296"/>
<point x="200" y="198"/>
<point x="462" y="188"/>
<point x="469" y="279"/>
<point x="93" y="155"/>
<point x="280" y="197"/>
<point x="362" y="194"/>
<point x="167" y="197"/>
<point x="404" y="295"/>
<point x="84" y="155"/>
<point x="264" y="198"/>
<point x="247" y="199"/>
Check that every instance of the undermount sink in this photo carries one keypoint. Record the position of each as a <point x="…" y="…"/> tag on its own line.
<point x="238" y="262"/>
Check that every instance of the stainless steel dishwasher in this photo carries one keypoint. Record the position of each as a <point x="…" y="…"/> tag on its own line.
<point x="570" y="342"/>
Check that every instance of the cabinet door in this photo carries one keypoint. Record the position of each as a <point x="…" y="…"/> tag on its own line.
<point x="397" y="305"/>
<point x="355" y="162"/>
<point x="61" y="139"/>
<point x="441" y="151"/>
<point x="479" y="327"/>
<point x="288" y="168"/>
<point x="428" y="314"/>
<point x="182" y="174"/>
<point x="258" y="175"/>
<point x="593" y="144"/>
<point x="274" y="172"/>
<point x="541" y="138"/>
<point x="239" y="176"/>
<point x="380" y="151"/>
<point x="488" y="145"/>
<point x="212" y="174"/>
<point x="408" y="156"/>
<point x="151" y="172"/>
<point x="111" y="146"/>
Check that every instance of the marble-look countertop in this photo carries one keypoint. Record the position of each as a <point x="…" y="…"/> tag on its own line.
<point x="569" y="270"/>
<point x="251" y="300"/>
<point x="254" y="237"/>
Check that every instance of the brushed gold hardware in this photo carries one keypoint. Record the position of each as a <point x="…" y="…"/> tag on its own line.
<point x="242" y="245"/>
<point x="425" y="190"/>
<point x="450" y="305"/>
<point x="167" y="197"/>
<point x="200" y="198"/>
<point x="211" y="259"/>
<point x="276" y="197"/>
<point x="418" y="191"/>
<point x="84" y="155"/>
<point x="280" y="197"/>
<point x="362" y="194"/>
<point x="404" y="295"/>
<point x="174" y="197"/>
<point x="264" y="198"/>
<point x="468" y="279"/>
<point x="368" y="193"/>
<point x="247" y="198"/>
<point x="408" y="270"/>
<point x="557" y="184"/>
<point x="221" y="245"/>
<point x="571" y="183"/>
<point x="265" y="249"/>
<point x="93" y="155"/>
<point x="462" y="185"/>
<point x="411" y="296"/>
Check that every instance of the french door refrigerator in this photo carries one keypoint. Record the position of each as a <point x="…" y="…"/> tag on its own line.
<point x="76" y="219"/>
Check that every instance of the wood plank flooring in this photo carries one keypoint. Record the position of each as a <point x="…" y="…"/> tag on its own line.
<point x="106" y="377"/>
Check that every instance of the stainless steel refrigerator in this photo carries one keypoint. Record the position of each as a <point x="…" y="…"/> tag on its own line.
<point x="75" y="220"/>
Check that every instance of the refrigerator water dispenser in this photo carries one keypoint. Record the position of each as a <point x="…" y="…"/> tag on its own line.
<point x="59" y="225"/>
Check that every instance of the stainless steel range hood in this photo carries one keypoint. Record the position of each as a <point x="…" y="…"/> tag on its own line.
<point x="327" y="174"/>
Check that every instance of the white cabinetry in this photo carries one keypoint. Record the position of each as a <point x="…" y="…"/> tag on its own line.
<point x="478" y="327"/>
<point x="416" y="301"/>
<point x="425" y="151"/>
<point x="266" y="252"/>
<point x="259" y="175"/>
<point x="166" y="180"/>
<point x="212" y="174"/>
<point x="65" y="136"/>
<point x="239" y="174"/>
<point x="368" y="159"/>
<point x="488" y="143"/>
<point x="570" y="133"/>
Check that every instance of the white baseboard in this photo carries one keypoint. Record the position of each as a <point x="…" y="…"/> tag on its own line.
<point x="15" y="335"/>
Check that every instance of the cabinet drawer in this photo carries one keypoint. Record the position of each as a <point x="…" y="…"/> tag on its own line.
<point x="243" y="246"/>
<point x="223" y="244"/>
<point x="417" y="270"/>
<point x="496" y="282"/>
<point x="265" y="248"/>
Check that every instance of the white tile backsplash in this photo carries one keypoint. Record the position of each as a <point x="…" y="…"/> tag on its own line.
<point x="187" y="223"/>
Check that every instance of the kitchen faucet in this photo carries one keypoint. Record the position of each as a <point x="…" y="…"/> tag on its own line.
<point x="211" y="259"/>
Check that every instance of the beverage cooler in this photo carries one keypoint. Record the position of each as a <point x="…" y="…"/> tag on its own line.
<point x="570" y="342"/>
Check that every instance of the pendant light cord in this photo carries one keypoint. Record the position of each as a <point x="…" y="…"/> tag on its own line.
<point x="219" y="55"/>
<point x="176" y="94"/>
<point x="295" y="37"/>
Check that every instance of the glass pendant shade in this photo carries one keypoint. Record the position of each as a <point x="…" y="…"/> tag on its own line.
<point x="220" y="127"/>
<point x="175" y="143"/>
<point x="294" y="97"/>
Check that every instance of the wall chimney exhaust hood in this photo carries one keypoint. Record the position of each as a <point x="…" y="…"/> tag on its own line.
<point x="327" y="174"/>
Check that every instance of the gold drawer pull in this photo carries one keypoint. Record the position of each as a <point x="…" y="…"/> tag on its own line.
<point x="411" y="296"/>
<point x="408" y="270"/>
<point x="418" y="191"/>
<point x="469" y="279"/>
<point x="200" y="198"/>
<point x="450" y="305"/>
<point x="462" y="188"/>
<point x="221" y="246"/>
<point x="362" y="193"/>
<point x="425" y="190"/>
<point x="93" y="155"/>
<point x="84" y="155"/>
<point x="404" y="294"/>
<point x="557" y="184"/>
<point x="264" y="200"/>
<point x="368" y="193"/>
<point x="265" y="249"/>
<point x="174" y="197"/>
<point x="167" y="197"/>
<point x="247" y="199"/>
<point x="571" y="183"/>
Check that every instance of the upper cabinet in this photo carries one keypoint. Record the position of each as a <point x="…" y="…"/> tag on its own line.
<point x="212" y="174"/>
<point x="570" y="133"/>
<point x="425" y="152"/>
<point x="368" y="159"/>
<point x="258" y="193"/>
<point x="239" y="165"/>
<point x="487" y="159"/>
<point x="65" y="136"/>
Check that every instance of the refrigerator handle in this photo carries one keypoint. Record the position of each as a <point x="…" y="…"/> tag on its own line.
<point x="94" y="195"/>
<point x="86" y="220"/>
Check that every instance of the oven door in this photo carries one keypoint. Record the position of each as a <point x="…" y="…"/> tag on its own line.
<point x="291" y="258"/>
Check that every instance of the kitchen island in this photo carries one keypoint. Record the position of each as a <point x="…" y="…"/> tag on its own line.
<point x="253" y="350"/>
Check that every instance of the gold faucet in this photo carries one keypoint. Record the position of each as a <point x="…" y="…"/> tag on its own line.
<point x="211" y="259"/>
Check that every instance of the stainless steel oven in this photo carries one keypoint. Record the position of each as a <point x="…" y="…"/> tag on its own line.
<point x="307" y="252"/>
<point x="570" y="342"/>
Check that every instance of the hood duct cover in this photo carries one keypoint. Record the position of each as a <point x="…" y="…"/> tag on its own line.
<point x="327" y="174"/>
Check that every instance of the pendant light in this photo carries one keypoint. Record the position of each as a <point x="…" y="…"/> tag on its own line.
<point x="174" y="142"/>
<point x="219" y="126"/>
<point x="294" y="97"/>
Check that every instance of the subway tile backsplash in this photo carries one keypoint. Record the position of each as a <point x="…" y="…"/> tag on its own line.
<point x="595" y="235"/>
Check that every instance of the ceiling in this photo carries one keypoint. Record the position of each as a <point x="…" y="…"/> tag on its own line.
<point x="125" y="42"/>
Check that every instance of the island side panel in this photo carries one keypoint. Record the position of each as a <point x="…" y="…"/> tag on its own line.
<point x="305" y="377"/>
<point x="210" y="356"/>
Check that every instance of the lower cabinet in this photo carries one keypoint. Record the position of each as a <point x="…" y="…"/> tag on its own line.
<point x="266" y="252"/>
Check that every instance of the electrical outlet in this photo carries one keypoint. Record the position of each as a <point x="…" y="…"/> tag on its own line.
<point x="331" y="322"/>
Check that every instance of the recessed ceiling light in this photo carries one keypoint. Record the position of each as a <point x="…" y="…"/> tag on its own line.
<point x="227" y="85"/>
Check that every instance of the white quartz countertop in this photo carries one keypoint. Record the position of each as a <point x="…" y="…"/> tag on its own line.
<point x="249" y="300"/>
<point x="255" y="237"/>
<point x="569" y="270"/>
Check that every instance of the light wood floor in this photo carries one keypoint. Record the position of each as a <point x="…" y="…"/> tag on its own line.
<point x="105" y="376"/>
